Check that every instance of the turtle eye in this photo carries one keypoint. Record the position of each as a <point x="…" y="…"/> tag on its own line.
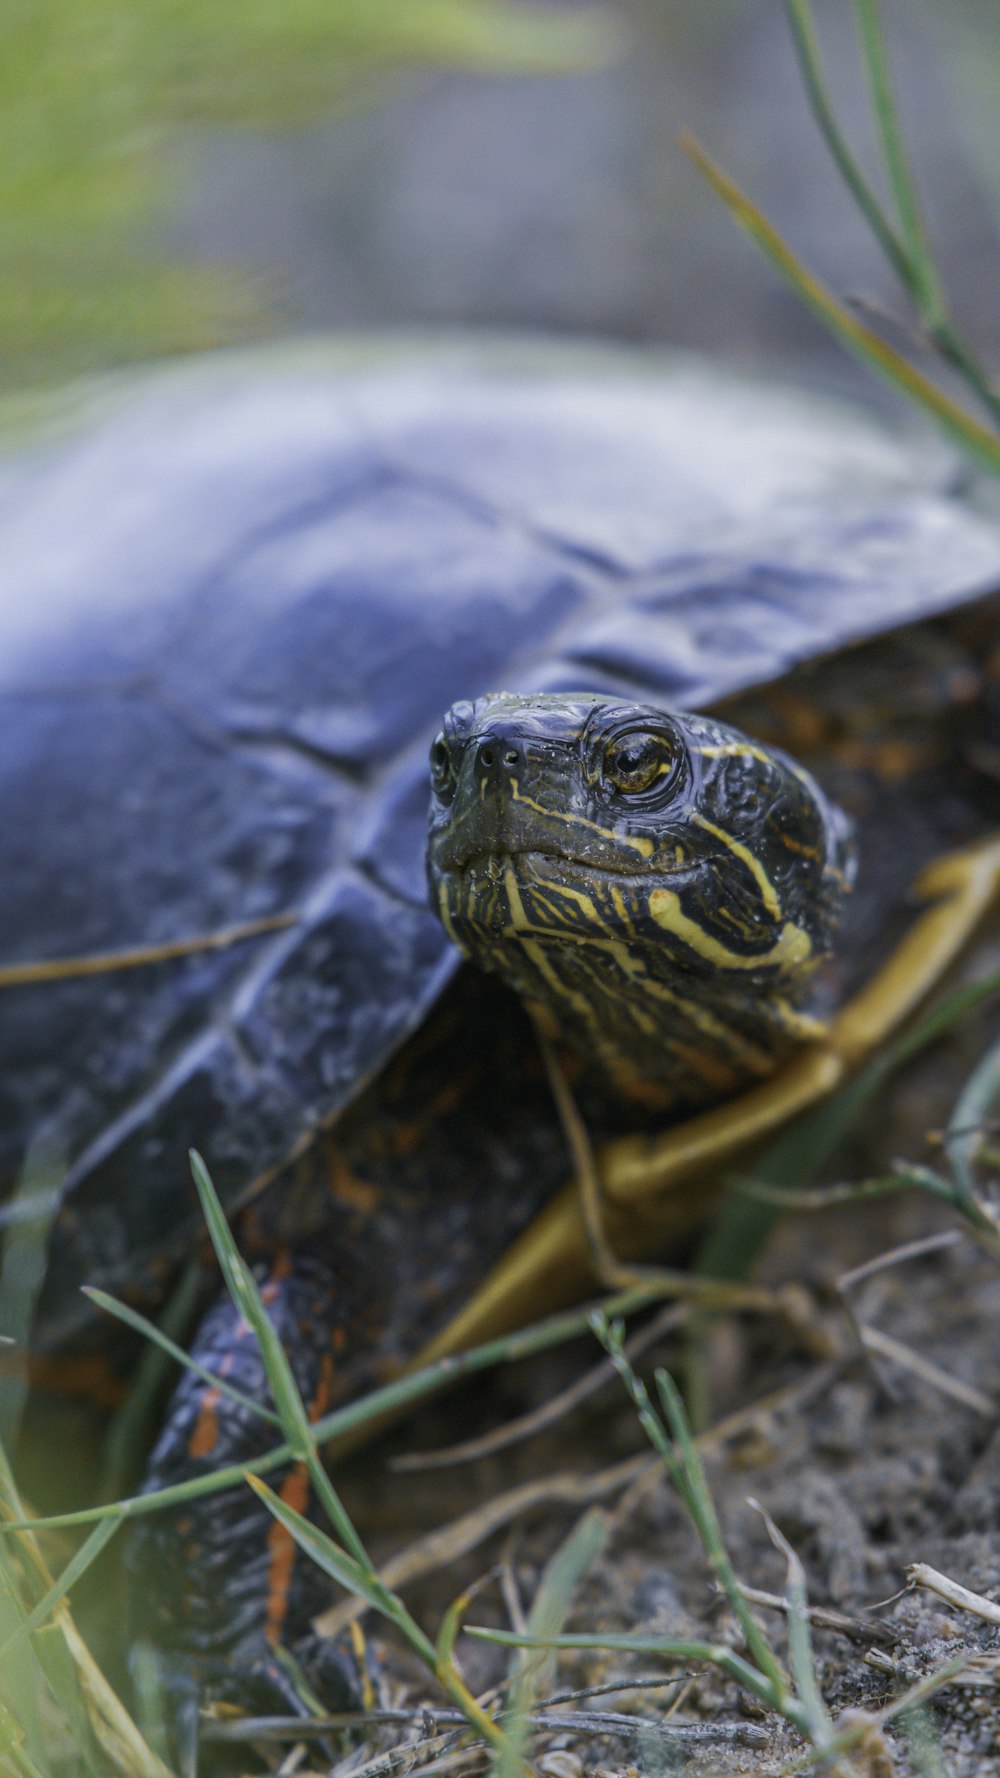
<point x="635" y="762"/>
<point x="441" y="765"/>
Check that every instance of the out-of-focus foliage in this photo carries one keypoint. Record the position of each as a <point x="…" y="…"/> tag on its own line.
<point x="94" y="96"/>
<point x="898" y="226"/>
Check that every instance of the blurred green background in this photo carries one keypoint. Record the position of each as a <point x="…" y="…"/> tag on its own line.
<point x="176" y="176"/>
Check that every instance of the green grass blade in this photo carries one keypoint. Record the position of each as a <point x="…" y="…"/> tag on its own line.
<point x="684" y="1468"/>
<point x="106" y="1738"/>
<point x="920" y="278"/>
<point x="974" y="1105"/>
<point x="130" y="1430"/>
<point x="927" y="287"/>
<point x="299" y="1431"/>
<point x="803" y="30"/>
<point x="357" y="1577"/>
<point x="559" y="1582"/>
<point x="52" y="1653"/>
<point x="800" y="1650"/>
<point x="706" y="1521"/>
<point x="157" y="1337"/>
<point x="12" y="1749"/>
<point x="22" y="1678"/>
<point x="555" y="1330"/>
<point x="75" y="1567"/>
<point x="328" y="1555"/>
<point x="982" y="445"/>
<point x="714" y="1654"/>
<point x="22" y="1272"/>
<point x="96" y="105"/>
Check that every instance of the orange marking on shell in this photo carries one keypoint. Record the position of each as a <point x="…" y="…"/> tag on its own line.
<point x="408" y="1135"/>
<point x="348" y="1189"/>
<point x="321" y="1400"/>
<point x="205" y="1431"/>
<point x="294" y="1491"/>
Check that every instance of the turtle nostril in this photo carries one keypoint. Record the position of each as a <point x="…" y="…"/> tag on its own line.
<point x="498" y="754"/>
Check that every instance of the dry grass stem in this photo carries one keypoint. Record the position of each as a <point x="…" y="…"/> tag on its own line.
<point x="463" y="1534"/>
<point x="897" y="1256"/>
<point x="874" y="1340"/>
<point x="857" y="1629"/>
<point x="920" y="1574"/>
<point x="540" y="1418"/>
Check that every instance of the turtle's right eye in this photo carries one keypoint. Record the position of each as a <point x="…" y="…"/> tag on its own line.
<point x="441" y="766"/>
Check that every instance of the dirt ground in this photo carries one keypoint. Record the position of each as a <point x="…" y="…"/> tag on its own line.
<point x="869" y="1457"/>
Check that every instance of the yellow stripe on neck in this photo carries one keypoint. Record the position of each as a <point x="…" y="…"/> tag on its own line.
<point x="791" y="947"/>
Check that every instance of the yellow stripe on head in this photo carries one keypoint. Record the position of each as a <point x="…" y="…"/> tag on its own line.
<point x="791" y="948"/>
<point x="768" y="893"/>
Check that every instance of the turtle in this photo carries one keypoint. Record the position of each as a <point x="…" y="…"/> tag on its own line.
<point x="747" y="644"/>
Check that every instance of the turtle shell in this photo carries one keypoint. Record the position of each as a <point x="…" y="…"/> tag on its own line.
<point x="239" y="596"/>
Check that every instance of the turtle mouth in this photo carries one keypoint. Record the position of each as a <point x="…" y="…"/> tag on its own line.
<point x="535" y="865"/>
<point x="527" y="861"/>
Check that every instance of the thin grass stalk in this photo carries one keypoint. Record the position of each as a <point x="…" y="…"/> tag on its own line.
<point x="923" y="282"/>
<point x="972" y="1108"/>
<point x="24" y="1675"/>
<point x="387" y="1399"/>
<point x="131" y="1427"/>
<point x="559" y="1582"/>
<point x="12" y="1750"/>
<point x="803" y="31"/>
<point x="800" y="1650"/>
<point x="709" y="1654"/>
<point x="75" y="1568"/>
<point x="105" y="1736"/>
<point x="44" y="1661"/>
<point x="22" y="1272"/>
<point x="158" y="1338"/>
<point x="706" y="1521"/>
<point x="295" y="1423"/>
<point x="365" y="1582"/>
<point x="973" y="438"/>
<point x="684" y="1468"/>
<point x="856" y="1731"/>
<point x="347" y="1562"/>
<point x="934" y="316"/>
<point x="923" y="271"/>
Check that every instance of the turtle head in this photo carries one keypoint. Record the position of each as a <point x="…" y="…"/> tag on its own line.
<point x="657" y="886"/>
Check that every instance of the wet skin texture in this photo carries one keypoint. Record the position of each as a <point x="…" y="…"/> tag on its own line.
<point x="658" y="889"/>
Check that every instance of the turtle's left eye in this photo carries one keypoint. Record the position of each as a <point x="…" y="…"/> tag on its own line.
<point x="441" y="766"/>
<point x="635" y="762"/>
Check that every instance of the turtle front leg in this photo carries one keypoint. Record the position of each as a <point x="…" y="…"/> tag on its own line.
<point x="218" y="1588"/>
